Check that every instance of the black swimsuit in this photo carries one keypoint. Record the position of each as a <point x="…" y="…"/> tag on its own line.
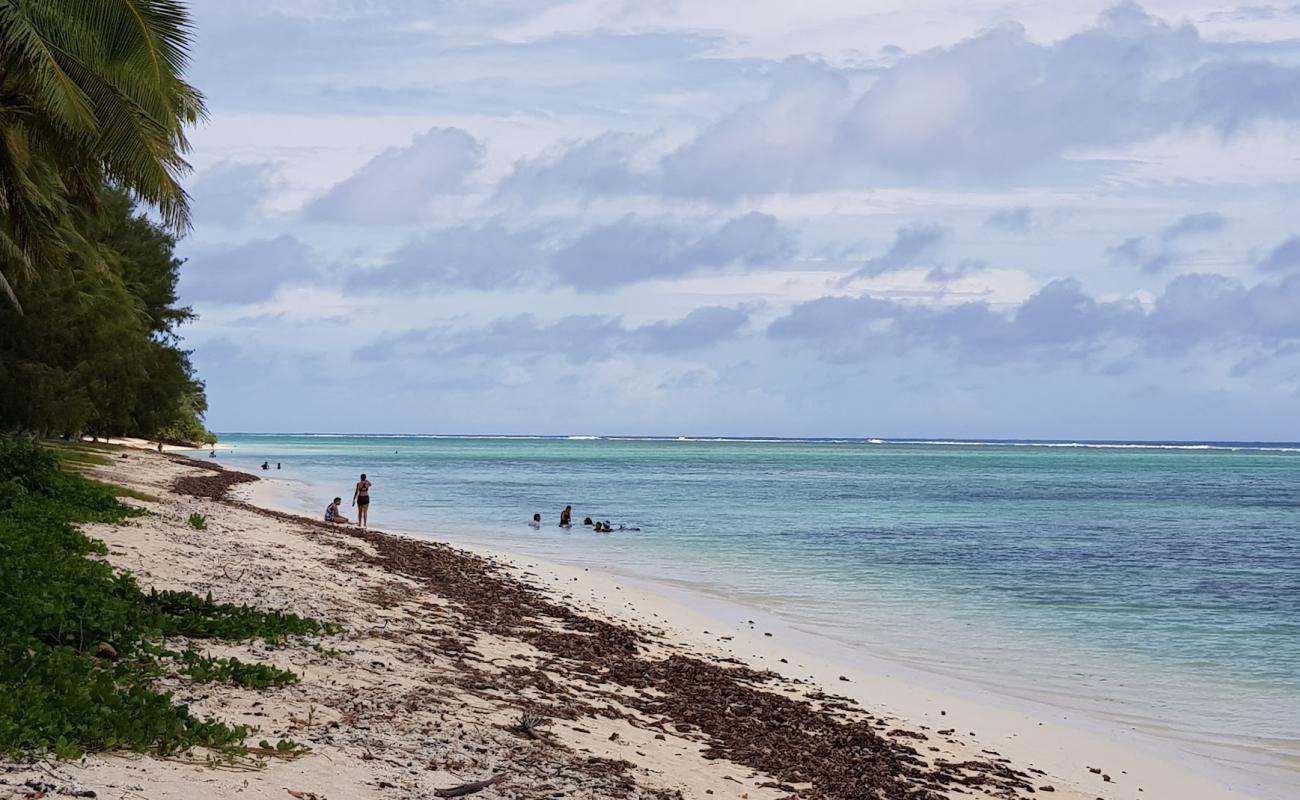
<point x="364" y="499"/>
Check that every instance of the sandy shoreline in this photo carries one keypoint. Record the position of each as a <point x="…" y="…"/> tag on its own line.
<point x="648" y="696"/>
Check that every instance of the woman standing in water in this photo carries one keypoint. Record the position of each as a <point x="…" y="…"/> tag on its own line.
<point x="361" y="499"/>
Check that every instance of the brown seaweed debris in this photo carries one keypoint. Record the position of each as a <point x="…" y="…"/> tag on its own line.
<point x="736" y="718"/>
<point x="214" y="486"/>
<point x="814" y="751"/>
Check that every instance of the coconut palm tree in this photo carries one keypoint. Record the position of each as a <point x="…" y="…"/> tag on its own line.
<point x="91" y="92"/>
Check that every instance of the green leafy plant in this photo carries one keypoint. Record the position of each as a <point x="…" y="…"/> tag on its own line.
<point x="205" y="669"/>
<point x="198" y="522"/>
<point x="80" y="645"/>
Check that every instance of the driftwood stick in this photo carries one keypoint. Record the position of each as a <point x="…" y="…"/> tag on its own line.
<point x="469" y="788"/>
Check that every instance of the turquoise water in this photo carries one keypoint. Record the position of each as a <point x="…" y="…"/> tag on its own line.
<point x="1158" y="586"/>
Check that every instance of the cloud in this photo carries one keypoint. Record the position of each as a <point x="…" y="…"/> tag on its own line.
<point x="992" y="107"/>
<point x="1060" y="321"/>
<point x="395" y="186"/>
<point x="998" y="103"/>
<point x="635" y="249"/>
<point x="486" y="255"/>
<point x="1194" y="225"/>
<point x="231" y="192"/>
<point x="779" y="143"/>
<point x="911" y="243"/>
<point x="632" y="249"/>
<point x="1157" y="253"/>
<point x="245" y="273"/>
<point x="947" y="274"/>
<point x="1012" y="220"/>
<point x="1283" y="258"/>
<point x="702" y="327"/>
<point x="579" y="338"/>
<point x="1151" y="258"/>
<point x="601" y="165"/>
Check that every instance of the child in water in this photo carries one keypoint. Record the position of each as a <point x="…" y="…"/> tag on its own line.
<point x="536" y="521"/>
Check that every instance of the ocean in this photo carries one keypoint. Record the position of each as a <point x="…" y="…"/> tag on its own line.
<point x="1148" y="585"/>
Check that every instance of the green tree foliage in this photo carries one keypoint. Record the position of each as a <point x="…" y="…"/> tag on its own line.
<point x="96" y="349"/>
<point x="91" y="92"/>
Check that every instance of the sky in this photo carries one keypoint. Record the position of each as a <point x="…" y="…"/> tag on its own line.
<point x="941" y="218"/>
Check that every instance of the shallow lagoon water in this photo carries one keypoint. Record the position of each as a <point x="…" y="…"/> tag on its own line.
<point x="1153" y="585"/>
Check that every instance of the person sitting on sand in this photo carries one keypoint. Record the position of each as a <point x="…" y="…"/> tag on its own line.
<point x="332" y="512"/>
<point x="566" y="517"/>
<point x="361" y="499"/>
<point x="536" y="521"/>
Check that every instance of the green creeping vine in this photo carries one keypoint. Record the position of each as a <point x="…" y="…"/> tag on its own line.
<point x="81" y="645"/>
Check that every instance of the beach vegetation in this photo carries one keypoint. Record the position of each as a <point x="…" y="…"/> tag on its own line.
<point x="82" y="645"/>
<point x="96" y="350"/>
<point x="206" y="669"/>
<point x="93" y="96"/>
<point x="198" y="522"/>
<point x="93" y="120"/>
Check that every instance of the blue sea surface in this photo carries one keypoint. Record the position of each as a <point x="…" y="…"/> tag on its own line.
<point x="1155" y="584"/>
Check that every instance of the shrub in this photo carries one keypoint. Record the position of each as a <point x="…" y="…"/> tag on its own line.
<point x="60" y="608"/>
<point x="198" y="522"/>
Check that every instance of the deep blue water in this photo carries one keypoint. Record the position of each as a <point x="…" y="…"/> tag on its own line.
<point x="1155" y="583"/>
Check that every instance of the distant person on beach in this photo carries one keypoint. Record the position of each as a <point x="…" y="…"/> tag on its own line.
<point x="213" y="454"/>
<point x="587" y="521"/>
<point x="266" y="465"/>
<point x="536" y="521"/>
<point x="361" y="499"/>
<point x="332" y="514"/>
<point x="566" y="517"/>
<point x="277" y="465"/>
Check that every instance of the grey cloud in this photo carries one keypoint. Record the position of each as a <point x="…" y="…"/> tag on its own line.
<point x="635" y="249"/>
<point x="581" y="338"/>
<point x="911" y="243"/>
<point x="231" y="192"/>
<point x="1157" y="253"/>
<point x="384" y="57"/>
<point x="1204" y="307"/>
<point x="945" y="274"/>
<point x="700" y="328"/>
<point x="629" y="250"/>
<point x="777" y="144"/>
<point x="1141" y="252"/>
<point x="1284" y="257"/>
<point x="1195" y="224"/>
<point x="246" y="273"/>
<point x="998" y="102"/>
<point x="1059" y="320"/>
<point x="489" y="255"/>
<point x="990" y="107"/>
<point x="597" y="166"/>
<point x="395" y="186"/>
<point x="1013" y="220"/>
